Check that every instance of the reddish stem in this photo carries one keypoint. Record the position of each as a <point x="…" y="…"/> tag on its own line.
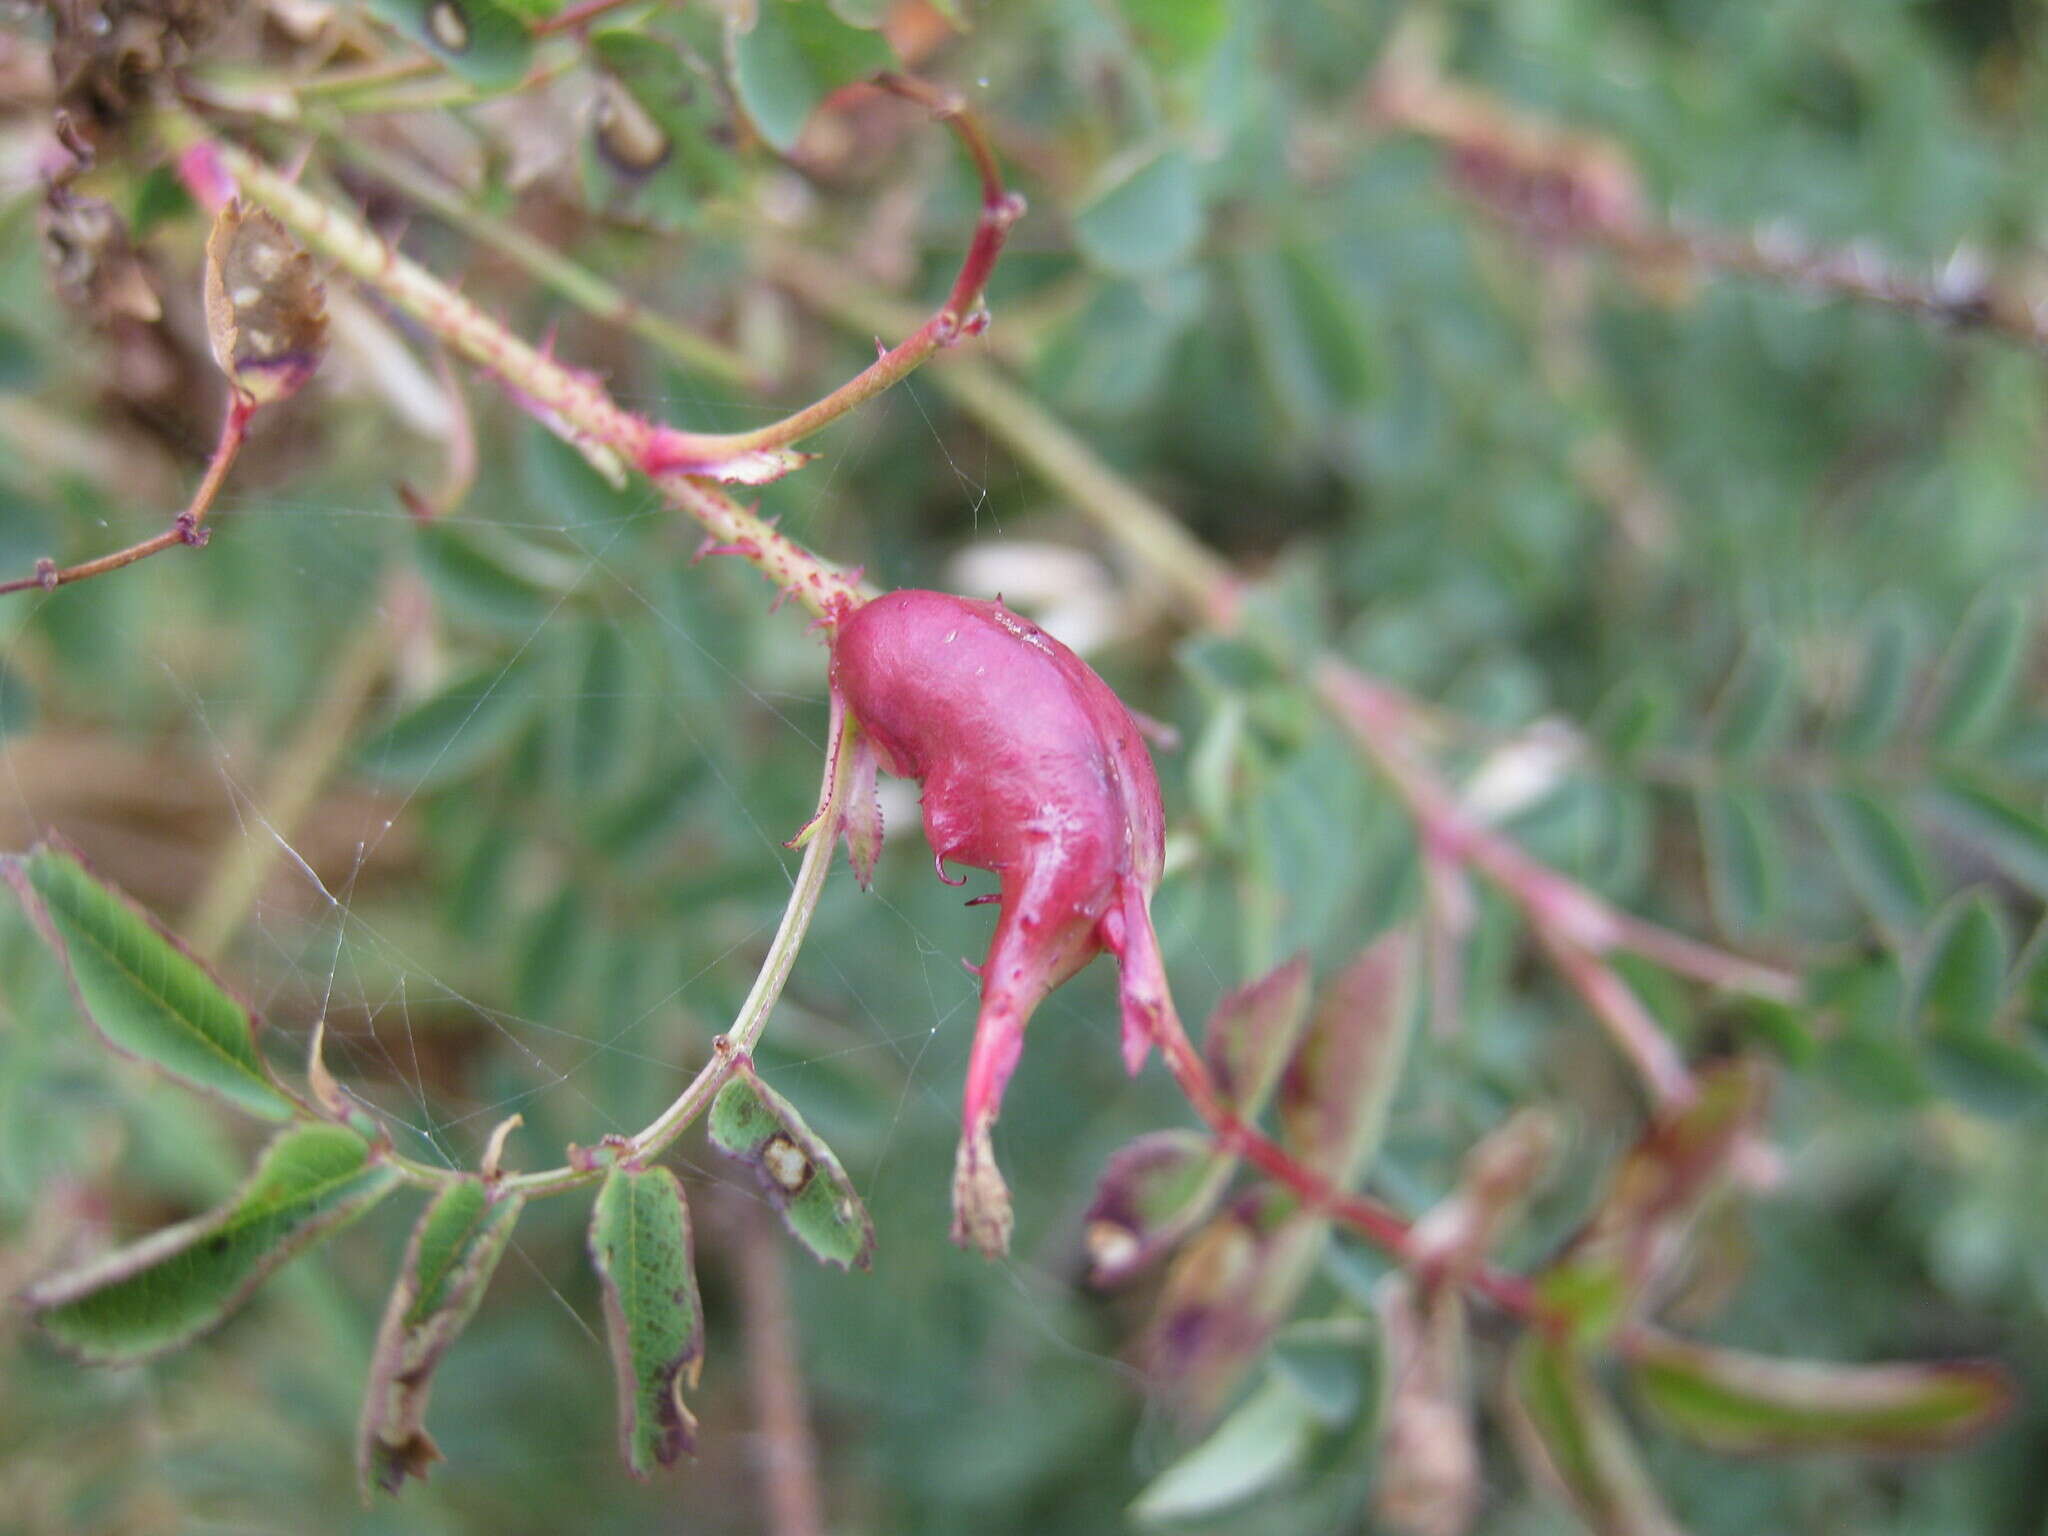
<point x="188" y="527"/>
<point x="1361" y="1213"/>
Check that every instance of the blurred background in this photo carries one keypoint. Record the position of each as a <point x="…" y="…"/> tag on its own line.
<point x="1653" y="387"/>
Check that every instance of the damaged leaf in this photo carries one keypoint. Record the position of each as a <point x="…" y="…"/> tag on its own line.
<point x="641" y="1249"/>
<point x="449" y="1260"/>
<point x="266" y="311"/>
<point x="801" y="1177"/>
<point x="175" y="1284"/>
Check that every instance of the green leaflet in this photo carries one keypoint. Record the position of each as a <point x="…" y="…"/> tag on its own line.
<point x="795" y="55"/>
<point x="144" y="992"/>
<point x="1569" y="1436"/>
<point x="480" y="40"/>
<point x="640" y="1246"/>
<point x="1746" y="1403"/>
<point x="1267" y="1438"/>
<point x="803" y="1180"/>
<point x="449" y="1260"/>
<point x="1146" y="217"/>
<point x="175" y="1284"/>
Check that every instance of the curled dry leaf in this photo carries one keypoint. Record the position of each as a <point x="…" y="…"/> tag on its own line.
<point x="92" y="264"/>
<point x="266" y="312"/>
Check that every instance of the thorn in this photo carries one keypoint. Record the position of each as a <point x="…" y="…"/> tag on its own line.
<point x="939" y="863"/>
<point x="984" y="900"/>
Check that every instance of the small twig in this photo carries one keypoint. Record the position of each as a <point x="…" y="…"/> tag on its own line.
<point x="1558" y="183"/>
<point x="1378" y="1224"/>
<point x="574" y="405"/>
<point x="187" y="528"/>
<point x="786" y="1455"/>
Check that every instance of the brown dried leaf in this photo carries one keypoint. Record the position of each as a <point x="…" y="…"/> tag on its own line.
<point x="266" y="311"/>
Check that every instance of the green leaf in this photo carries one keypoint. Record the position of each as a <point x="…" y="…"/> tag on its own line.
<point x="143" y="991"/>
<point x="795" y="55"/>
<point x="663" y="124"/>
<point x="481" y="40"/>
<point x="1262" y="1442"/>
<point x="1330" y="1362"/>
<point x="17" y="699"/>
<point x="799" y="1174"/>
<point x="486" y="575"/>
<point x="1978" y="672"/>
<point x="1878" y="856"/>
<point x="1988" y="1075"/>
<point x="640" y="1246"/>
<point x="1756" y="709"/>
<point x="1746" y="1404"/>
<point x="449" y="1260"/>
<point x="1883" y="685"/>
<point x="456" y="732"/>
<point x="1145" y="217"/>
<point x="2012" y="838"/>
<point x="1569" y="1436"/>
<point x="175" y="1284"/>
<point x="1633" y="716"/>
<point x="1962" y="970"/>
<point x="1306" y="335"/>
<point x="1736" y="836"/>
<point x="599" y="751"/>
<point x="1177" y="35"/>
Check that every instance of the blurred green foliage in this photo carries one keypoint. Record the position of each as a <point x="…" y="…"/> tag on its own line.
<point x="1795" y="637"/>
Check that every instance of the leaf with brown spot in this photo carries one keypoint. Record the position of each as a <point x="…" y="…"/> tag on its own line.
<point x="754" y="1124"/>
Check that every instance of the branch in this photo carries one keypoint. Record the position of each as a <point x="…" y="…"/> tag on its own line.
<point x="573" y="405"/>
<point x="786" y="1455"/>
<point x="187" y="528"/>
<point x="1558" y="183"/>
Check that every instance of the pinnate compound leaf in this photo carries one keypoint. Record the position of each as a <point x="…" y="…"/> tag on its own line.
<point x="640" y="1247"/>
<point x="799" y="1174"/>
<point x="1264" y="1441"/>
<point x="1569" y="1437"/>
<point x="449" y="1260"/>
<point x="483" y="41"/>
<point x="1737" y="1402"/>
<point x="1978" y="672"/>
<point x="175" y="1284"/>
<point x="145" y="993"/>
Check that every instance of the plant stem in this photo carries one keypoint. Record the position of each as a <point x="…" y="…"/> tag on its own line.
<point x="1364" y="1215"/>
<point x="572" y="404"/>
<point x="753" y="1015"/>
<point x="188" y="527"/>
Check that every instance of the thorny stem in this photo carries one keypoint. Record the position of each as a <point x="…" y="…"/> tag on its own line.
<point x="1560" y="183"/>
<point x="188" y="527"/>
<point x="573" y="405"/>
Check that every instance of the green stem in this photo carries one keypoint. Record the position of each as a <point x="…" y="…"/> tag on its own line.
<point x="752" y="1018"/>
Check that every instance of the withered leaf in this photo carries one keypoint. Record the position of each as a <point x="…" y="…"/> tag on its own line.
<point x="266" y="311"/>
